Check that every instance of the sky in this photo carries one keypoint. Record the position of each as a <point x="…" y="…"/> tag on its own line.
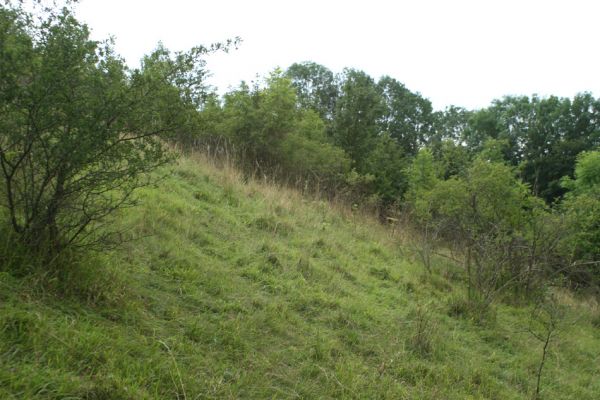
<point x="460" y="52"/>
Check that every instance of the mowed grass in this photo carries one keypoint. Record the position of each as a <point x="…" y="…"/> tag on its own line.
<point x="232" y="288"/>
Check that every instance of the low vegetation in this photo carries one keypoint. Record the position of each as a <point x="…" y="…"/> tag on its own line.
<point x="235" y="288"/>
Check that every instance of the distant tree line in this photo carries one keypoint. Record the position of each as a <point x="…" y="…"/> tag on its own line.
<point x="381" y="125"/>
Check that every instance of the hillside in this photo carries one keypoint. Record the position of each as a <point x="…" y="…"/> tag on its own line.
<point x="233" y="289"/>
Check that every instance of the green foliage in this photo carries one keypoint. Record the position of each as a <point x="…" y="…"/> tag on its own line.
<point x="259" y="119"/>
<point x="449" y="124"/>
<point x="358" y="110"/>
<point x="208" y="127"/>
<point x="587" y="172"/>
<point x="493" y="150"/>
<point x="583" y="216"/>
<point x="321" y="165"/>
<point x="360" y="190"/>
<point x="492" y="217"/>
<point x="387" y="163"/>
<point x="407" y="116"/>
<point x="286" y="141"/>
<point x="316" y="87"/>
<point x="382" y="125"/>
<point x="422" y="180"/>
<point x="422" y="176"/>
<point x="496" y="195"/>
<point x="543" y="136"/>
<point x="482" y="125"/>
<point x="80" y="131"/>
<point x="582" y="211"/>
<point x="453" y="159"/>
<point x="306" y="124"/>
<point x="65" y="160"/>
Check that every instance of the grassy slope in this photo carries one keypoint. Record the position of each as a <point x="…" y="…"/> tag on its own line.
<point x="249" y="291"/>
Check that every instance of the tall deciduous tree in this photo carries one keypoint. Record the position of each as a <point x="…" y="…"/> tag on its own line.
<point x="358" y="110"/>
<point x="316" y="87"/>
<point x="407" y="116"/>
<point x="541" y="135"/>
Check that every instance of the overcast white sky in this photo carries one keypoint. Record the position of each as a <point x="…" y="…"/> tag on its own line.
<point x="460" y="52"/>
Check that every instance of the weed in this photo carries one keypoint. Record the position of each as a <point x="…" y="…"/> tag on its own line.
<point x="271" y="225"/>
<point x="596" y="320"/>
<point x="478" y="311"/>
<point x="304" y="267"/>
<point x="423" y="331"/>
<point x="381" y="273"/>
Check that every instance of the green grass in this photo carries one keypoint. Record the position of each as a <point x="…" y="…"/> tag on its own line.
<point x="246" y="290"/>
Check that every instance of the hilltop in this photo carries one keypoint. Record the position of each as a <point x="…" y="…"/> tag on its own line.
<point x="231" y="287"/>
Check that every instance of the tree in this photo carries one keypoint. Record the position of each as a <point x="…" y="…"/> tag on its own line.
<point x="387" y="163"/>
<point x="453" y="159"/>
<point x="587" y="172"/>
<point x="489" y="214"/>
<point x="358" y="110"/>
<point x="316" y="87"/>
<point x="492" y="221"/>
<point x="309" y="159"/>
<point x="79" y="131"/>
<point x="482" y="125"/>
<point x="422" y="177"/>
<point x="582" y="210"/>
<point x="407" y="116"/>
<point x="449" y="125"/>
<point x="542" y="136"/>
<point x="258" y="119"/>
<point x="286" y="141"/>
<point x="547" y="319"/>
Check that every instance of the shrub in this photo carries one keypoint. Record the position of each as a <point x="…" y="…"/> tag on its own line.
<point x="79" y="131"/>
